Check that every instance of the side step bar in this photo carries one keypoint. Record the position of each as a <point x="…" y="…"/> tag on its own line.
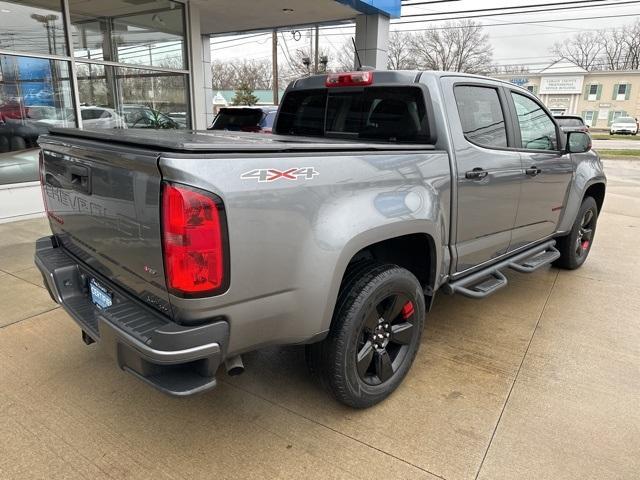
<point x="485" y="282"/>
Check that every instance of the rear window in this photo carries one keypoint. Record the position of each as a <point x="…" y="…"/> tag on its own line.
<point x="237" y="119"/>
<point x="570" y="122"/>
<point x="376" y="113"/>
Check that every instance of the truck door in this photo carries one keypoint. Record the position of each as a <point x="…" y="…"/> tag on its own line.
<point x="547" y="171"/>
<point x="489" y="170"/>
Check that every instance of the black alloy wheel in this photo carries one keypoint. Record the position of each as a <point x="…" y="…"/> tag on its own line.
<point x="374" y="337"/>
<point x="385" y="338"/>
<point x="585" y="233"/>
<point x="576" y="245"/>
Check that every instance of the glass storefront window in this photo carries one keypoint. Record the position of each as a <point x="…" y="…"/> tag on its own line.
<point x="33" y="26"/>
<point x="141" y="32"/>
<point x="35" y="94"/>
<point x="126" y="97"/>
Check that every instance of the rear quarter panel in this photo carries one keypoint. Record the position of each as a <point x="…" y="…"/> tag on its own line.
<point x="291" y="240"/>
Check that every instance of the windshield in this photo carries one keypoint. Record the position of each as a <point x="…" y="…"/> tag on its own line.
<point x="625" y="120"/>
<point x="378" y="113"/>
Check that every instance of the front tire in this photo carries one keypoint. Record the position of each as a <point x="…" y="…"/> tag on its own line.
<point x="575" y="247"/>
<point x="374" y="337"/>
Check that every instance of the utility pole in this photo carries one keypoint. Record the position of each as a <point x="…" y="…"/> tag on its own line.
<point x="315" y="60"/>
<point x="274" y="64"/>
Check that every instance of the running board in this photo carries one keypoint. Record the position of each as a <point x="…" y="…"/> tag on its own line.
<point x="483" y="283"/>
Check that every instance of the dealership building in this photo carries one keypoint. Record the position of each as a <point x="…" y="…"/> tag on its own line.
<point x="132" y="64"/>
<point x="598" y="97"/>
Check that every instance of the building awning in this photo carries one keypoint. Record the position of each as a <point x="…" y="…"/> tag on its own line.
<point x="217" y="16"/>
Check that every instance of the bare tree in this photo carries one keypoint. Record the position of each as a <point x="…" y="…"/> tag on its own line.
<point x="399" y="51"/>
<point x="344" y="58"/>
<point x="253" y="74"/>
<point x="631" y="42"/>
<point x="459" y="46"/>
<point x="583" y="49"/>
<point x="510" y="69"/>
<point x="613" y="49"/>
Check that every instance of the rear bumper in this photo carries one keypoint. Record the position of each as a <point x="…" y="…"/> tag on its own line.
<point x="175" y="359"/>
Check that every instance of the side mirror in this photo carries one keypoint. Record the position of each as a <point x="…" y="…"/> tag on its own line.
<point x="578" y="142"/>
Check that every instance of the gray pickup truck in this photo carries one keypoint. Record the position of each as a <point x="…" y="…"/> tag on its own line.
<point x="180" y="251"/>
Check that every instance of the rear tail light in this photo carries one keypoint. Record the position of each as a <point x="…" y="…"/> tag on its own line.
<point x="349" y="79"/>
<point x="194" y="241"/>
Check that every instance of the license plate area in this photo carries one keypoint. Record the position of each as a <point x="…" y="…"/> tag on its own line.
<point x="100" y="296"/>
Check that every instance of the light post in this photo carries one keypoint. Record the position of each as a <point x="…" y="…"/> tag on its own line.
<point x="46" y="21"/>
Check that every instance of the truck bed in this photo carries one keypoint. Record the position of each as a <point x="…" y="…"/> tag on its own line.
<point x="222" y="141"/>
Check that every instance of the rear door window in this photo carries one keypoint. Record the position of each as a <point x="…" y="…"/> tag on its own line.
<point x="396" y="114"/>
<point x="481" y="115"/>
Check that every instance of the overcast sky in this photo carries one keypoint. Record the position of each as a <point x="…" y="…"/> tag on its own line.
<point x="513" y="44"/>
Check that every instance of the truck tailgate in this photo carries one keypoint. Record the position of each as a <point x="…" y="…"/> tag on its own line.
<point x="103" y="205"/>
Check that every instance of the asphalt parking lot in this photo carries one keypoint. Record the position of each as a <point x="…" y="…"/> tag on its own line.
<point x="539" y="381"/>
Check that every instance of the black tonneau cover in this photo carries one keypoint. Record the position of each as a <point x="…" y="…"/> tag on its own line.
<point x="206" y="140"/>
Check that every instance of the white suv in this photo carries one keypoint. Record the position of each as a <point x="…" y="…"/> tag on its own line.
<point x="624" y="125"/>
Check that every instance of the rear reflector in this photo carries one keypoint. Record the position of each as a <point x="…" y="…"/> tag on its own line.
<point x="349" y="79"/>
<point x="193" y="237"/>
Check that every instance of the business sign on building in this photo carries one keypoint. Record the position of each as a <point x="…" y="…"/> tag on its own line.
<point x="520" y="81"/>
<point x="562" y="85"/>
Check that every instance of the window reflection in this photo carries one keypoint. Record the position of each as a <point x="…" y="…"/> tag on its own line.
<point x="33" y="27"/>
<point x="144" y="32"/>
<point x="35" y="95"/>
<point x="125" y="97"/>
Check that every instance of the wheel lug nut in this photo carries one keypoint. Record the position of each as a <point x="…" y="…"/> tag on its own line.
<point x="387" y="334"/>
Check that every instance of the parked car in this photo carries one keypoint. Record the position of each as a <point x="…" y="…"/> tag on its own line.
<point x="571" y="123"/>
<point x="179" y="117"/>
<point x="141" y="116"/>
<point x="245" y="119"/>
<point x="335" y="232"/>
<point x="101" y="117"/>
<point x="624" y="126"/>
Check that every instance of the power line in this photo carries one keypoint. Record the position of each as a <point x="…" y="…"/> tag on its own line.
<point x="513" y="7"/>
<point x="512" y="23"/>
<point x="426" y="3"/>
<point x="513" y="13"/>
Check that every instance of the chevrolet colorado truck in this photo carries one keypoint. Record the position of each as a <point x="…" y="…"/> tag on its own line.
<point x="180" y="251"/>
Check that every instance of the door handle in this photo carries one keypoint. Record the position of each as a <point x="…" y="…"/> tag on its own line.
<point x="79" y="177"/>
<point x="533" y="171"/>
<point x="477" y="173"/>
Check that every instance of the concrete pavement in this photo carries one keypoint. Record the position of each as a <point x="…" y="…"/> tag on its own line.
<point x="539" y="381"/>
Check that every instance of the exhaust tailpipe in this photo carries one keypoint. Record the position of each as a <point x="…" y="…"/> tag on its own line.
<point x="234" y="365"/>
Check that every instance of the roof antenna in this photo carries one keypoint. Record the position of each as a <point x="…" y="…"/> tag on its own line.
<point x="355" y="49"/>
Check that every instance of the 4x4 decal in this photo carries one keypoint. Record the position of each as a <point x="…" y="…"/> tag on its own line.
<point x="272" y="174"/>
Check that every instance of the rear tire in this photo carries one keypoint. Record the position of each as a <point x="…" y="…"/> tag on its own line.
<point x="374" y="337"/>
<point x="575" y="247"/>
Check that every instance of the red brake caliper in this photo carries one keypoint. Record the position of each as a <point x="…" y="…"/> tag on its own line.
<point x="585" y="244"/>
<point x="407" y="310"/>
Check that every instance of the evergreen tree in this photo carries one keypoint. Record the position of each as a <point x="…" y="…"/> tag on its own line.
<point x="244" y="96"/>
